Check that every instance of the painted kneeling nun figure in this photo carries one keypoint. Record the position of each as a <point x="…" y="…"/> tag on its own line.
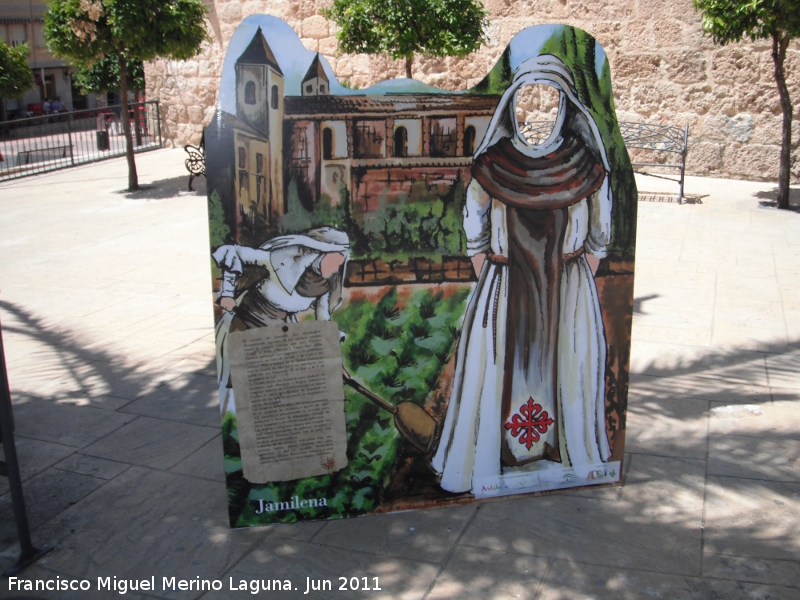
<point x="301" y="271"/>
<point x="528" y="393"/>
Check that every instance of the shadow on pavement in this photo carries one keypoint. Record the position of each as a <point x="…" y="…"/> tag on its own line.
<point x="127" y="486"/>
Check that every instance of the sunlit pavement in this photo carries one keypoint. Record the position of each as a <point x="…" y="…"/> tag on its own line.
<point x="107" y="324"/>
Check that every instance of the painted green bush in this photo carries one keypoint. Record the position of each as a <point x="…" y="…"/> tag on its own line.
<point x="397" y="347"/>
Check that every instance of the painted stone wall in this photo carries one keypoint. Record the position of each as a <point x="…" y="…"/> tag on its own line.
<point x="664" y="71"/>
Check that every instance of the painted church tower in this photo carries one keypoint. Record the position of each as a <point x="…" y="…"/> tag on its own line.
<point x="259" y="138"/>
<point x="316" y="83"/>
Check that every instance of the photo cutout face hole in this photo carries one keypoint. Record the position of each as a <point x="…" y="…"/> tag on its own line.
<point x="539" y="114"/>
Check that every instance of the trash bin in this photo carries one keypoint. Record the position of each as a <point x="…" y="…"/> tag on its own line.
<point x="102" y="140"/>
<point x="102" y="132"/>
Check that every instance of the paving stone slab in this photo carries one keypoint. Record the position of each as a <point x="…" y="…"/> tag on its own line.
<point x="737" y="590"/>
<point x="147" y="523"/>
<point x="656" y="521"/>
<point x="700" y="386"/>
<point x="207" y="462"/>
<point x="91" y="465"/>
<point x="68" y="424"/>
<point x="666" y="426"/>
<point x="783" y="370"/>
<point x="46" y="495"/>
<point x="772" y="459"/>
<point x="299" y="562"/>
<point x="779" y="418"/>
<point x="478" y="574"/>
<point x="426" y="535"/>
<point x="187" y="399"/>
<point x="753" y="570"/>
<point x="34" y="456"/>
<point x="567" y="579"/>
<point x="749" y="518"/>
<point x="152" y="442"/>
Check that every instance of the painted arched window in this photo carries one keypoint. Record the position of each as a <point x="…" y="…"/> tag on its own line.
<point x="274" y="101"/>
<point x="327" y="143"/>
<point x="469" y="141"/>
<point x="401" y="142"/>
<point x="250" y="92"/>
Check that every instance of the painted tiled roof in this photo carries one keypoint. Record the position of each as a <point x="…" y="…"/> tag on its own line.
<point x="296" y="106"/>
<point x="258" y="52"/>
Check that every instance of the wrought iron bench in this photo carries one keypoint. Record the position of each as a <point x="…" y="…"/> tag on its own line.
<point x="49" y="153"/>
<point x="659" y="138"/>
<point x="196" y="163"/>
<point x="643" y="136"/>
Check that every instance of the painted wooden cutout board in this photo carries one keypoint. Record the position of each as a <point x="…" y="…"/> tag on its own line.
<point x="422" y="297"/>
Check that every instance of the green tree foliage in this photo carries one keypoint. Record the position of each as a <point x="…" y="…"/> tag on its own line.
<point x="87" y="31"/>
<point x="103" y="76"/>
<point x="401" y="28"/>
<point x="219" y="232"/>
<point x="398" y="347"/>
<point x="427" y="221"/>
<point x="16" y="76"/>
<point x="730" y="21"/>
<point x="499" y="78"/>
<point x="578" y="50"/>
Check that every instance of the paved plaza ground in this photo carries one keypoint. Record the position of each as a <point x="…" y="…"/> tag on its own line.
<point x="107" y="322"/>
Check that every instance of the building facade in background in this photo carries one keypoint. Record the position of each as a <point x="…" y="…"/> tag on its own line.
<point x="21" y="22"/>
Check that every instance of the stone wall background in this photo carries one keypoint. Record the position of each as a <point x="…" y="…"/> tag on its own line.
<point x="664" y="70"/>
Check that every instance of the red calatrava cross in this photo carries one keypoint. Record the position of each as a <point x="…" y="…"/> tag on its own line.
<point x="529" y="423"/>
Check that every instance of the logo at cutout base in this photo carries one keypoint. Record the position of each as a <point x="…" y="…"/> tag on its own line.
<point x="528" y="423"/>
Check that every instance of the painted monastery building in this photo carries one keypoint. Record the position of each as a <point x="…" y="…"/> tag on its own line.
<point x="368" y="148"/>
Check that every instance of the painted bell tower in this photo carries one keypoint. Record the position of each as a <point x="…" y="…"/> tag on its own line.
<point x="259" y="142"/>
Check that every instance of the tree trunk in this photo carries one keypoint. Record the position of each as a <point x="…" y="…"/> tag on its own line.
<point x="409" y="61"/>
<point x="133" y="178"/>
<point x="780" y="42"/>
<point x="137" y="98"/>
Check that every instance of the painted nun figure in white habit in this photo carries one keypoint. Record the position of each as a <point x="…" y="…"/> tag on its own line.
<point x="300" y="271"/>
<point x="528" y="393"/>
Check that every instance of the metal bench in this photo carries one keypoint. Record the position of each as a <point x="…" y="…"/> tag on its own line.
<point x="196" y="163"/>
<point x="643" y="136"/>
<point x="50" y="153"/>
<point x="658" y="139"/>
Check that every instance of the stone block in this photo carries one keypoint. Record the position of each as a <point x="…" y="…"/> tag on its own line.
<point x="754" y="161"/>
<point x="590" y="11"/>
<point x="637" y="67"/>
<point x="196" y="115"/>
<point x="668" y="33"/>
<point x="636" y="36"/>
<point x="678" y="9"/>
<point x="316" y="27"/>
<point x="734" y="65"/>
<point x="328" y="46"/>
<point x="760" y="99"/>
<point x="187" y="68"/>
<point x="609" y="34"/>
<point x="704" y="157"/>
<point x="230" y="13"/>
<point x="685" y="66"/>
<point x="649" y="100"/>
